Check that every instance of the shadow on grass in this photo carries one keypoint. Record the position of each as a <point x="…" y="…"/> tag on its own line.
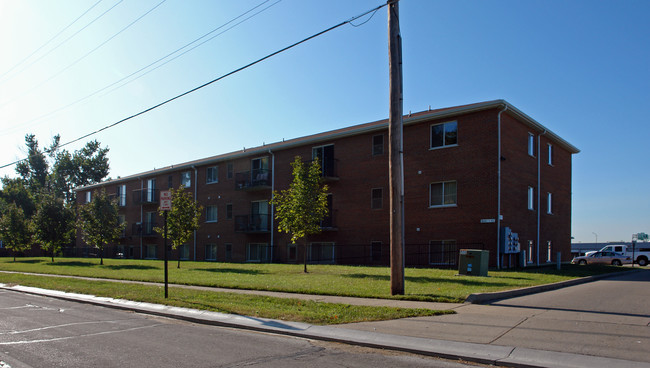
<point x="30" y="261"/>
<point x="130" y="267"/>
<point x="231" y="270"/>
<point x="73" y="263"/>
<point x="478" y="281"/>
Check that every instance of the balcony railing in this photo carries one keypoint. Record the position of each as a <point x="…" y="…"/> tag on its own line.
<point x="253" y="223"/>
<point x="144" y="196"/>
<point x="144" y="229"/>
<point x="254" y="179"/>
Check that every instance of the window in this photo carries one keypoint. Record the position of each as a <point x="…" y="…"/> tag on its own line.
<point x="550" y="154"/>
<point x="292" y="252"/>
<point x="549" y="251"/>
<point x="531" y="144"/>
<point x="378" y="145"/>
<point x="210" y="252"/>
<point x="549" y="205"/>
<point x="445" y="134"/>
<point x="257" y="252"/>
<point x="121" y="195"/>
<point x="442" y="252"/>
<point x="325" y="156"/>
<point x="170" y="181"/>
<point x="375" y="251"/>
<point x="89" y="197"/>
<point x="376" y="198"/>
<point x="442" y="194"/>
<point x="531" y="198"/>
<point x="229" y="211"/>
<point x="186" y="179"/>
<point x="228" y="252"/>
<point x="184" y="252"/>
<point x="151" y="191"/>
<point x="149" y="224"/>
<point x="150" y="251"/>
<point x="229" y="171"/>
<point x="212" y="175"/>
<point x="211" y="214"/>
<point x="321" y="252"/>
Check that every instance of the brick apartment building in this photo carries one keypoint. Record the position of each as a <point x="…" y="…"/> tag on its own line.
<point x="463" y="166"/>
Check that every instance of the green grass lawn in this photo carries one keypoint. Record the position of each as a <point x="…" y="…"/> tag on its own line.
<point x="374" y="282"/>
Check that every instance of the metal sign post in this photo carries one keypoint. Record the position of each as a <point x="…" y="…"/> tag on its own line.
<point x="166" y="206"/>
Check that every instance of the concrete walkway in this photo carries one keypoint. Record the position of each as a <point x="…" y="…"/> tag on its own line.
<point x="476" y="333"/>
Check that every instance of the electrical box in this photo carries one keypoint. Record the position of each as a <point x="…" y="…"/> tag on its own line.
<point x="473" y="262"/>
<point x="508" y="241"/>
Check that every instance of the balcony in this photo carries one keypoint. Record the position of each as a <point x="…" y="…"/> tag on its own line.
<point x="253" y="180"/>
<point x="253" y="224"/>
<point x="144" y="229"/>
<point x="145" y="196"/>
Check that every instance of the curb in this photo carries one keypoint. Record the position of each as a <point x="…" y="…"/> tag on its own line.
<point x="481" y="298"/>
<point x="480" y="353"/>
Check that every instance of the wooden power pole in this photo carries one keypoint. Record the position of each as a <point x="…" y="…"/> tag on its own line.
<point x="396" y="175"/>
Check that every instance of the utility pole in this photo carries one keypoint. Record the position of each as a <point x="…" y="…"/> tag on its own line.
<point x="395" y="165"/>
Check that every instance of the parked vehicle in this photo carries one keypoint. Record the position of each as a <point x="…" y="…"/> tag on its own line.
<point x="641" y="252"/>
<point x="607" y="257"/>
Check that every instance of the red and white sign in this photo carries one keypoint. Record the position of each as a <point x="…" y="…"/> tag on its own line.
<point x="165" y="200"/>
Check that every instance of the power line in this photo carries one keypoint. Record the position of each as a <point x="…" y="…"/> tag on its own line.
<point x="50" y="40"/>
<point x="46" y="115"/>
<point x="212" y="81"/>
<point x="63" y="42"/>
<point x="87" y="54"/>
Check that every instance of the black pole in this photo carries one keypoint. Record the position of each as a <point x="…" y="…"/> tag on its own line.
<point x="166" y="256"/>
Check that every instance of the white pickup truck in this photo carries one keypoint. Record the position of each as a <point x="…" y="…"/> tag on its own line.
<point x="641" y="252"/>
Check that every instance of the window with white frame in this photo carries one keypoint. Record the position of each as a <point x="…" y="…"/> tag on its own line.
<point x="443" y="194"/>
<point x="186" y="179"/>
<point x="531" y="144"/>
<point x="549" y="203"/>
<point x="531" y="198"/>
<point x="184" y="252"/>
<point x="210" y="252"/>
<point x="212" y="175"/>
<point x="550" y="154"/>
<point x="211" y="214"/>
<point x="445" y="134"/>
<point x="89" y="197"/>
<point x="121" y="195"/>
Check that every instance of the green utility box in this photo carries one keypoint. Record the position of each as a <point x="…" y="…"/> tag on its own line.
<point x="473" y="262"/>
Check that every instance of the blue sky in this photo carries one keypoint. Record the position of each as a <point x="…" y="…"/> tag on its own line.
<point x="581" y="68"/>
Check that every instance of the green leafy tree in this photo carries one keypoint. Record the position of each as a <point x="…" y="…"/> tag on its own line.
<point x="15" y="230"/>
<point x="301" y="208"/>
<point x="99" y="222"/>
<point x="54" y="223"/>
<point x="182" y="220"/>
<point x="15" y="191"/>
<point x="86" y="166"/>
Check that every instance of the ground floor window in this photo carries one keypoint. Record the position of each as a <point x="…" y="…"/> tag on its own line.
<point x="292" y="252"/>
<point x="150" y="251"/>
<point x="321" y="252"/>
<point x="257" y="252"/>
<point x="228" y="252"/>
<point x="375" y="251"/>
<point x="211" y="252"/>
<point x="184" y="252"/>
<point x="442" y="252"/>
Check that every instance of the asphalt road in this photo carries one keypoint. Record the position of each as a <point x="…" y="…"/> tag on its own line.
<point x="37" y="332"/>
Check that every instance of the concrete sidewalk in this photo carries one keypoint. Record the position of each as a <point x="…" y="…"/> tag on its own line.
<point x="475" y="333"/>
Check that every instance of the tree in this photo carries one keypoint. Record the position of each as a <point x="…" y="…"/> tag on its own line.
<point x="182" y="220"/>
<point x="15" y="191"/>
<point x="99" y="222"/>
<point x="54" y="223"/>
<point x="15" y="230"/>
<point x="300" y="209"/>
<point x="86" y="166"/>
